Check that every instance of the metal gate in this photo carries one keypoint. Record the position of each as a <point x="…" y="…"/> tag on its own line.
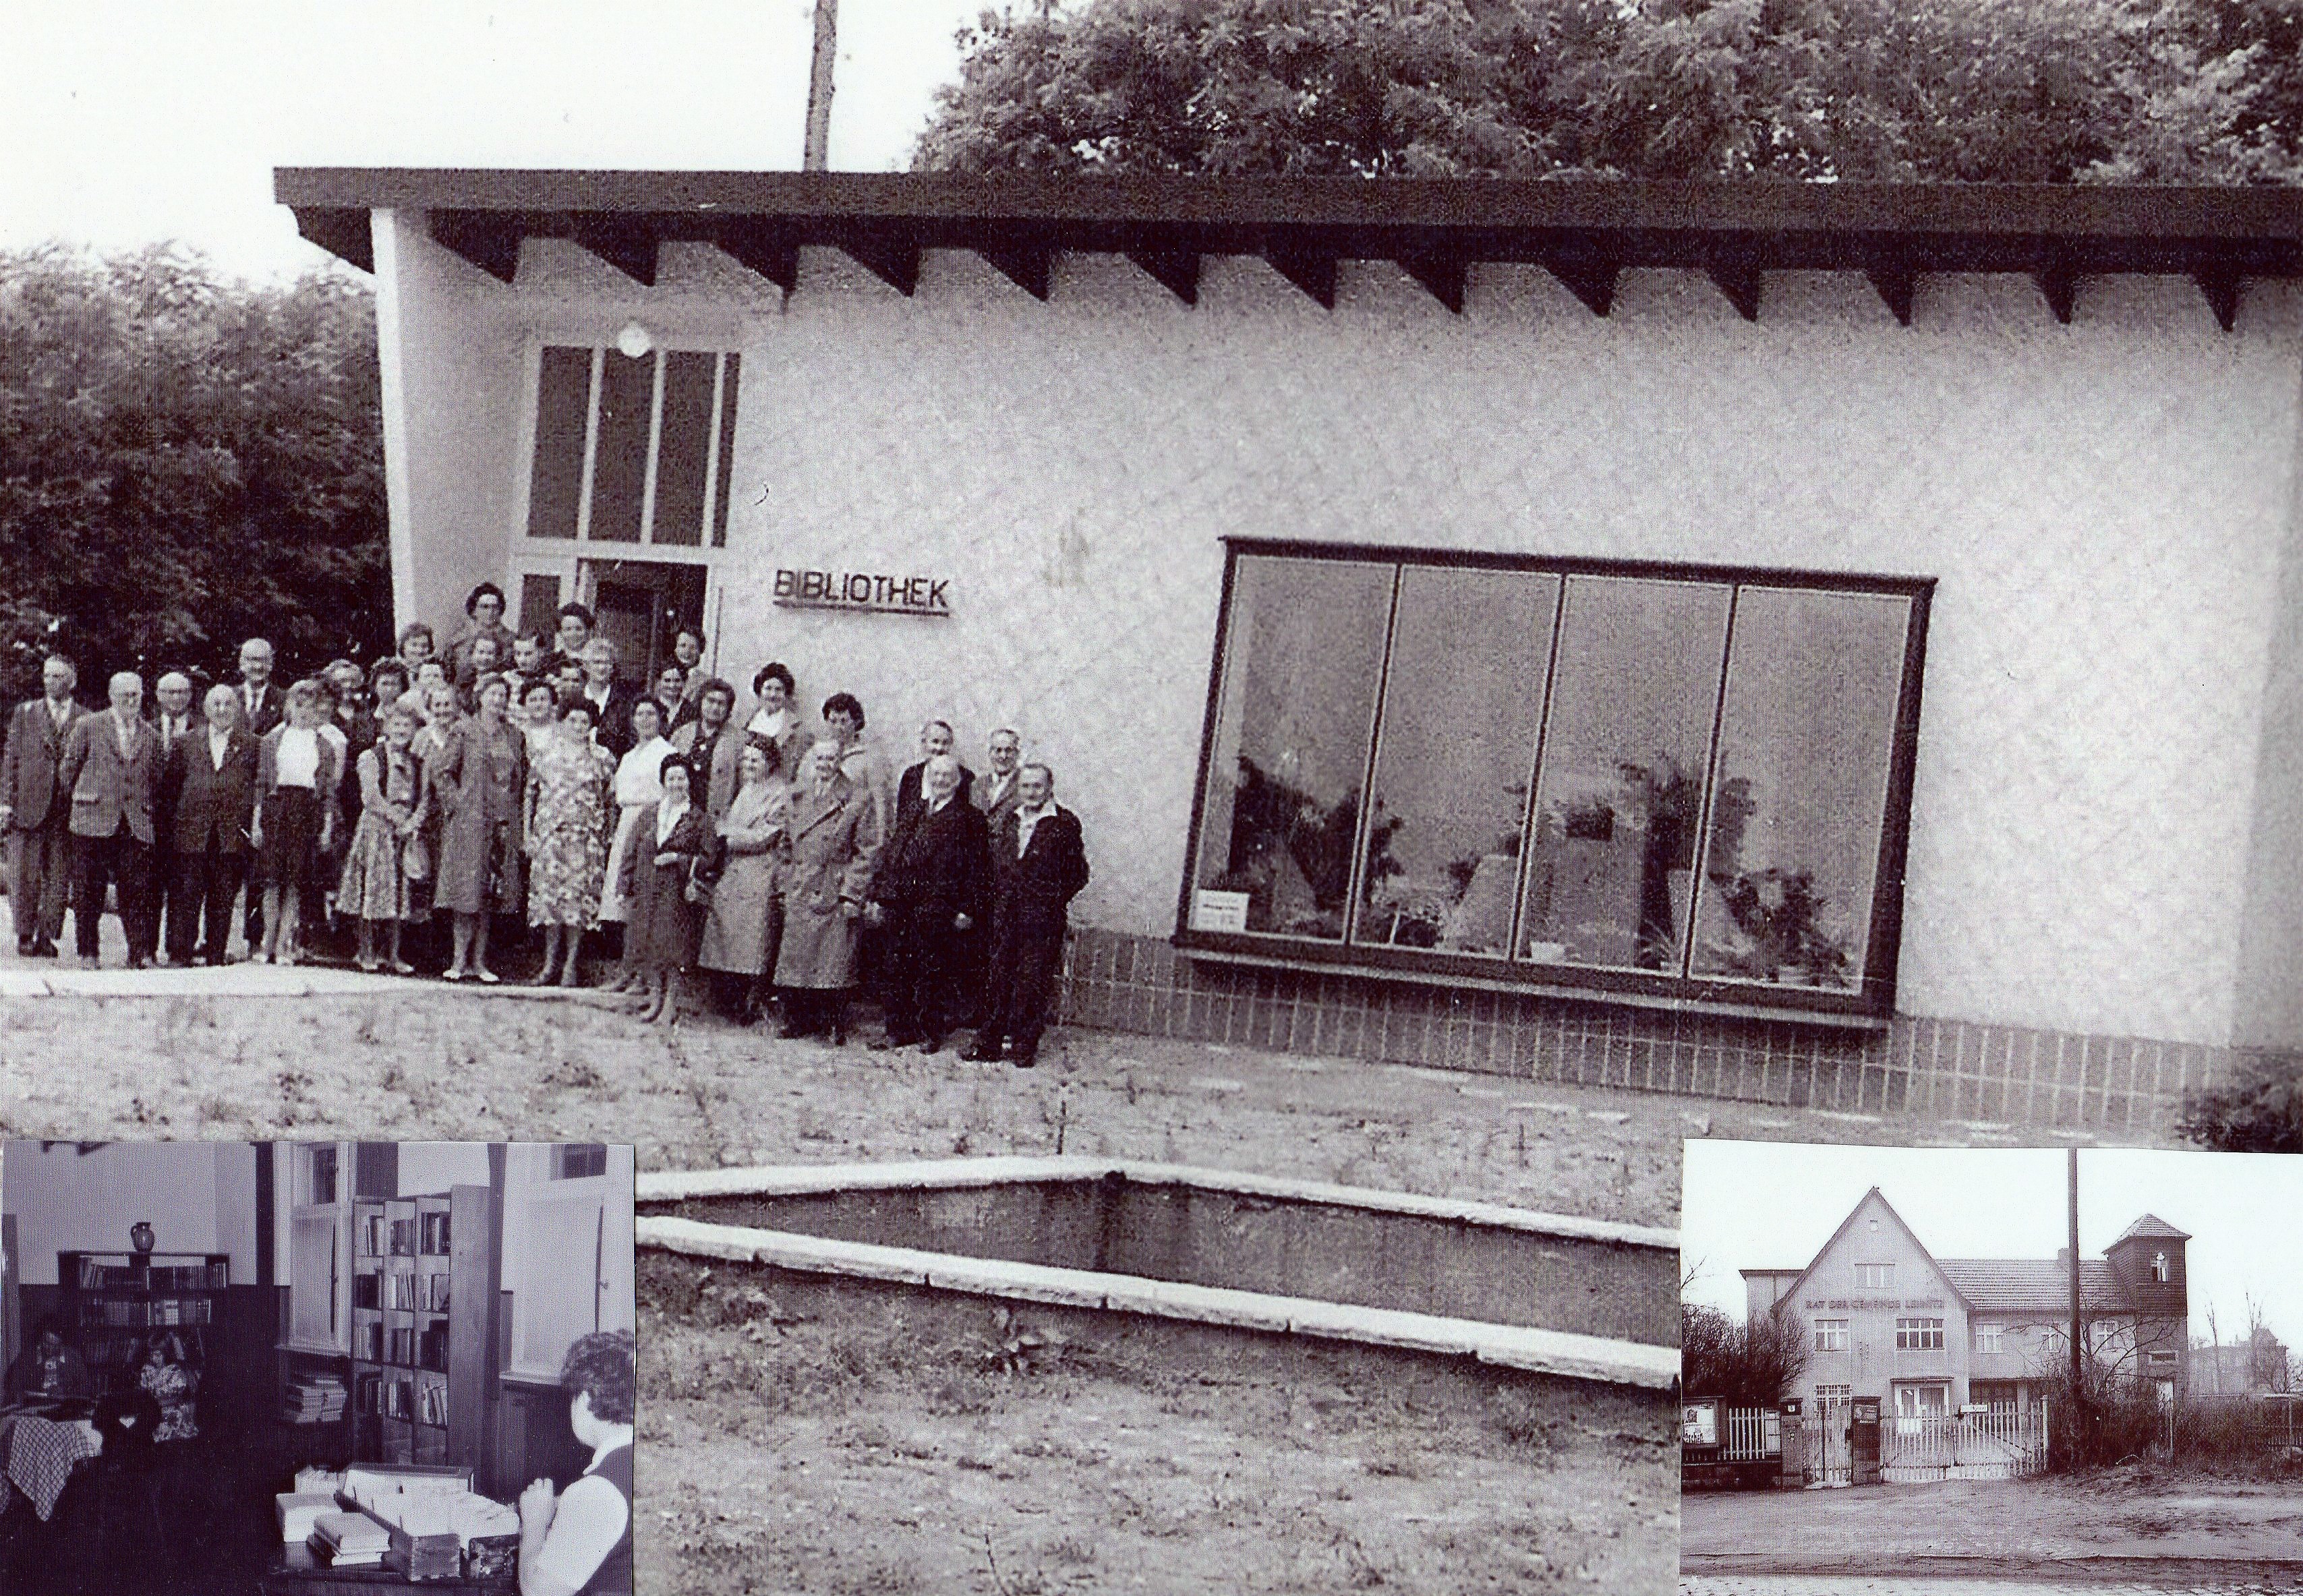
<point x="1830" y="1441"/>
<point x="1916" y="1448"/>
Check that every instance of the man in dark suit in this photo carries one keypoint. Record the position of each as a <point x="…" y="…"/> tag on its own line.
<point x="111" y="767"/>
<point x="1039" y="863"/>
<point x="172" y="718"/>
<point x="262" y="706"/>
<point x="208" y="784"/>
<point x="931" y="891"/>
<point x="935" y="743"/>
<point x="994" y="793"/>
<point x="36" y="814"/>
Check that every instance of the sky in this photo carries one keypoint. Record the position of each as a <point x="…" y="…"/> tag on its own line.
<point x="1773" y="1206"/>
<point x="129" y="123"/>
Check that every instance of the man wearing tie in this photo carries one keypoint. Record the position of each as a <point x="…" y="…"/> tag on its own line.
<point x="930" y="890"/>
<point x="209" y="782"/>
<point x="262" y="706"/>
<point x="994" y="793"/>
<point x="174" y="720"/>
<point x="1038" y="867"/>
<point x="111" y="767"/>
<point x="35" y="813"/>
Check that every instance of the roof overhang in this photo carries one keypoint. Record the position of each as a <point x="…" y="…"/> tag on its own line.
<point x="1585" y="233"/>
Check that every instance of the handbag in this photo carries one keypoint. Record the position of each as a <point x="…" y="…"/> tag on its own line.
<point x="415" y="862"/>
<point x="698" y="889"/>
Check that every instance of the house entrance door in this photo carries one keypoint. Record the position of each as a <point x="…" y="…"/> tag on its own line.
<point x="638" y="605"/>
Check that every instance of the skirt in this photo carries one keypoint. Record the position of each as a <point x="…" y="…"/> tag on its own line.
<point x="611" y="901"/>
<point x="292" y="836"/>
<point x="374" y="886"/>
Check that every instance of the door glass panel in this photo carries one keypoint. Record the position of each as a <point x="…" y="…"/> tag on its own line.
<point x="1304" y="651"/>
<point x="1611" y="874"/>
<point x="539" y="604"/>
<point x="563" y="403"/>
<point x="684" y="447"/>
<point x="620" y="458"/>
<point x="1805" y="744"/>
<point x="1461" y="704"/>
<point x="726" y="454"/>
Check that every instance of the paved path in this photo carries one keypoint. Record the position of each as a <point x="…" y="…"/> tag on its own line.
<point x="2176" y="1581"/>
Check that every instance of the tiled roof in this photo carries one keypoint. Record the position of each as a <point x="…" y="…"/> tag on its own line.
<point x="2034" y="1284"/>
<point x="2151" y="1224"/>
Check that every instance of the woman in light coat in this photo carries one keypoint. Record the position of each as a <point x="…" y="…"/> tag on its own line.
<point x="639" y="787"/>
<point x="739" y="932"/>
<point x="479" y="779"/>
<point x="835" y="842"/>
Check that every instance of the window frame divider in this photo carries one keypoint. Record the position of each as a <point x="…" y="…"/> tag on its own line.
<point x="1697" y="870"/>
<point x="1355" y="881"/>
<point x="1527" y="820"/>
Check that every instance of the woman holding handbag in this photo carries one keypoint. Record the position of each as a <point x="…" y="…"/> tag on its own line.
<point x="387" y="845"/>
<point x="740" y="931"/>
<point x="664" y="915"/>
<point x="480" y="779"/>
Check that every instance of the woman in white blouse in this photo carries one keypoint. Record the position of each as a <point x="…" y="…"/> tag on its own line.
<point x="639" y="788"/>
<point x="298" y="779"/>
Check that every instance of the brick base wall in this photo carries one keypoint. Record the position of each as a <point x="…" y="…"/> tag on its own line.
<point x="1942" y="1068"/>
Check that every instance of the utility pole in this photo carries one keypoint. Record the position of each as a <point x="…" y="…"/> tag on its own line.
<point x="814" y="155"/>
<point x="2079" y="1349"/>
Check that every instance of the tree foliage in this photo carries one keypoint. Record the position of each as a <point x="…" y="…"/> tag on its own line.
<point x="2259" y="1110"/>
<point x="1756" y="1363"/>
<point x="2007" y="90"/>
<point x="185" y="461"/>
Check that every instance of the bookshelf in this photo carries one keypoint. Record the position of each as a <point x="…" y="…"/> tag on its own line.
<point x="420" y="1360"/>
<point x="113" y="1302"/>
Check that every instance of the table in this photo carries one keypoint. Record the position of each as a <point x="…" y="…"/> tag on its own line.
<point x="297" y="1572"/>
<point x="38" y="1456"/>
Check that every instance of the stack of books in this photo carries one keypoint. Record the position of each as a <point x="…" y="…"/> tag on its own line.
<point x="315" y="1400"/>
<point x="299" y="1514"/>
<point x="349" y="1540"/>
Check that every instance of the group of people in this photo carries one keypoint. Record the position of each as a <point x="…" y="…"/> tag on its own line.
<point x="519" y="778"/>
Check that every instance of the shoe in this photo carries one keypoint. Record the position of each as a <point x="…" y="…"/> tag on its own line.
<point x="452" y="974"/>
<point x="137" y="961"/>
<point x="89" y="961"/>
<point x="932" y="1045"/>
<point x="983" y="1053"/>
<point x="792" y="1031"/>
<point x="890" y="1043"/>
<point x="24" y="949"/>
<point x="486" y="977"/>
<point x="836" y="1036"/>
<point x="400" y="967"/>
<point x="43" y="949"/>
<point x="367" y="967"/>
<point x="1024" y="1060"/>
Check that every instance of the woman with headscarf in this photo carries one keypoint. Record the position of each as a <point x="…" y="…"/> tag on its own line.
<point x="740" y="931"/>
<point x="835" y="835"/>
<point x="663" y="924"/>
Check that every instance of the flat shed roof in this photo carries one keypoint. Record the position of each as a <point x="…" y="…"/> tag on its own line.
<point x="1584" y="231"/>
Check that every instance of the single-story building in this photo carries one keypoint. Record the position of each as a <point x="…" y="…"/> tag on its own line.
<point x="1884" y="1318"/>
<point x="1838" y="644"/>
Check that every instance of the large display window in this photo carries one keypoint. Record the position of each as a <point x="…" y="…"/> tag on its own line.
<point x="1673" y="783"/>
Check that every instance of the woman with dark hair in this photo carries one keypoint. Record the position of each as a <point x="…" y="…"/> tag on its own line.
<point x="485" y="605"/>
<point x="859" y="762"/>
<point x="297" y="782"/>
<point x="417" y="644"/>
<point x="49" y="1367"/>
<point x="775" y="719"/>
<point x="663" y="922"/>
<point x="480" y="780"/>
<point x="638" y="786"/>
<point x="169" y="1376"/>
<point x="569" y="780"/>
<point x="579" y="1543"/>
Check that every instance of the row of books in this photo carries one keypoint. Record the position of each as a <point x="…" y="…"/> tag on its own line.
<point x="425" y="1292"/>
<point x="168" y="1276"/>
<point x="397" y="1397"/>
<point x="402" y="1344"/>
<point x="314" y="1399"/>
<point x="100" y="1350"/>
<point x="160" y="1311"/>
<point x="381" y="1235"/>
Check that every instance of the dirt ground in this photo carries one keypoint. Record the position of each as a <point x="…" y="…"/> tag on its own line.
<point x="2133" y="1512"/>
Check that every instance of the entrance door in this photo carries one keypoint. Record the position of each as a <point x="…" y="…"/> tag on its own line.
<point x="1831" y="1445"/>
<point x="638" y="605"/>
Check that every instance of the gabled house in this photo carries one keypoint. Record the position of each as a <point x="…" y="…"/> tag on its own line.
<point x="1887" y="1318"/>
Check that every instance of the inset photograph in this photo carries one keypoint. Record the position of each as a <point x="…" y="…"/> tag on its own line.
<point x="273" y="1369"/>
<point x="1922" y="1365"/>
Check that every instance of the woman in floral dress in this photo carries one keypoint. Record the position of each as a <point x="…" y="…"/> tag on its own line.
<point x="568" y="780"/>
<point x="173" y="1385"/>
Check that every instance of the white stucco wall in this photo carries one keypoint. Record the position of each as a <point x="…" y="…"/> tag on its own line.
<point x="200" y="1196"/>
<point x="2108" y="506"/>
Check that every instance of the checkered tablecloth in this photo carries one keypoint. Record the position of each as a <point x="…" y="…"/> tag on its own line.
<point x="41" y="1455"/>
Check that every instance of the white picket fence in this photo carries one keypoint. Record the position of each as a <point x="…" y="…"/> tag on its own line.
<point x="1750" y="1433"/>
<point x="1918" y="1449"/>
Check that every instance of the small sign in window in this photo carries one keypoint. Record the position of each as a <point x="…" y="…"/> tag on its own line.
<point x="1214" y="911"/>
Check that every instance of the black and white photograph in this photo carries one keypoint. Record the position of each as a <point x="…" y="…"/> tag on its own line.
<point x="2021" y="1366"/>
<point x="316" y="1369"/>
<point x="1145" y="702"/>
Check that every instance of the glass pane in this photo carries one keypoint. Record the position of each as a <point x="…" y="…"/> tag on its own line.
<point x="1804" y="744"/>
<point x="563" y="399"/>
<point x="727" y="453"/>
<point x="1461" y="704"/>
<point x="619" y="457"/>
<point x="682" y="445"/>
<point x="539" y="602"/>
<point x="1621" y="788"/>
<point x="1303" y="650"/>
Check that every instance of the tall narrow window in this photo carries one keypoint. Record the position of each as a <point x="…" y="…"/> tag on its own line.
<point x="633" y="451"/>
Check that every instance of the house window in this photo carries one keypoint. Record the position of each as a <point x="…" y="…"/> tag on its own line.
<point x="2162" y="1360"/>
<point x="576" y="1160"/>
<point x="1990" y="1338"/>
<point x="323" y="1175"/>
<point x="632" y="451"/>
<point x="1831" y="1335"/>
<point x="1678" y="784"/>
<point x="1922" y="1401"/>
<point x="1919" y="1335"/>
<point x="2159" y="1267"/>
<point x="1875" y="1277"/>
<point x="1826" y="1393"/>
